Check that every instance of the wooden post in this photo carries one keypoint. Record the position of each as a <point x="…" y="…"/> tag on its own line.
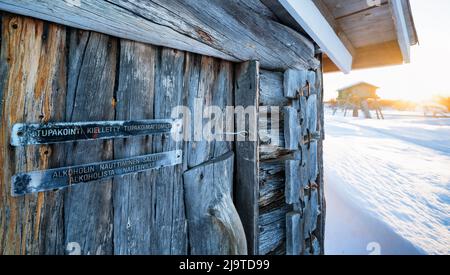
<point x="247" y="153"/>
<point x="365" y="108"/>
<point x="294" y="234"/>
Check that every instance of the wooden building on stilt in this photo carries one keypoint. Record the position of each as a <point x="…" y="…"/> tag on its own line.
<point x="87" y="94"/>
<point x="360" y="96"/>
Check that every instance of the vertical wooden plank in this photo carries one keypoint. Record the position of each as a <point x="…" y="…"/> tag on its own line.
<point x="294" y="233"/>
<point x="199" y="98"/>
<point x="223" y="97"/>
<point x="32" y="88"/>
<point x="88" y="208"/>
<point x="132" y="194"/>
<point x="311" y="124"/>
<point x="311" y="212"/>
<point x="168" y="197"/>
<point x="311" y="113"/>
<point x="291" y="128"/>
<point x="214" y="224"/>
<point x="193" y="64"/>
<point x="247" y="154"/>
<point x="293" y="184"/>
<point x="208" y="83"/>
<point x="3" y="67"/>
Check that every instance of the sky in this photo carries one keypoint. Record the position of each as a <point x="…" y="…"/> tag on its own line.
<point x="426" y="76"/>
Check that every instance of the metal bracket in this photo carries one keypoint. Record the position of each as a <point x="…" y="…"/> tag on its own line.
<point x="59" y="132"/>
<point x="59" y="178"/>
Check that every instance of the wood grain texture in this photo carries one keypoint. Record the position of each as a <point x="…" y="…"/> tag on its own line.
<point x="214" y="224"/>
<point x="292" y="131"/>
<point x="293" y="82"/>
<point x="271" y="133"/>
<point x="272" y="208"/>
<point x="247" y="153"/>
<point x="171" y="237"/>
<point x="272" y="228"/>
<point x="90" y="77"/>
<point x="293" y="184"/>
<point x="133" y="197"/>
<point x="88" y="209"/>
<point x="271" y="184"/>
<point x="32" y="86"/>
<point x="291" y="167"/>
<point x="208" y="82"/>
<point x="294" y="233"/>
<point x="310" y="213"/>
<point x="271" y="89"/>
<point x="226" y="29"/>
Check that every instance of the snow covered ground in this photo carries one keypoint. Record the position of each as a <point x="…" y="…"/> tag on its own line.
<point x="387" y="185"/>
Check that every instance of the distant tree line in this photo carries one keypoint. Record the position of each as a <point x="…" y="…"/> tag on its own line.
<point x="400" y="105"/>
<point x="444" y="101"/>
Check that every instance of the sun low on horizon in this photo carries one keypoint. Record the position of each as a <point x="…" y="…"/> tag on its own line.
<point x="426" y="77"/>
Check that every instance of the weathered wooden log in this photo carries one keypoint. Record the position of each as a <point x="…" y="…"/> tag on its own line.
<point x="133" y="212"/>
<point x="294" y="82"/>
<point x="88" y="209"/>
<point x="313" y="247"/>
<point x="270" y="192"/>
<point x="311" y="113"/>
<point x="279" y="250"/>
<point x="292" y="133"/>
<point x="294" y="184"/>
<point x="171" y="237"/>
<point x="312" y="137"/>
<point x="311" y="212"/>
<point x="272" y="227"/>
<point x="208" y="82"/>
<point x="313" y="168"/>
<point x="213" y="28"/>
<point x="271" y="89"/>
<point x="247" y="152"/>
<point x="294" y="233"/>
<point x="32" y="89"/>
<point x="271" y="184"/>
<point x="214" y="224"/>
<point x="271" y="134"/>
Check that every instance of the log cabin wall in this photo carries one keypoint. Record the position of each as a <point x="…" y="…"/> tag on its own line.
<point x="291" y="196"/>
<point x="50" y="72"/>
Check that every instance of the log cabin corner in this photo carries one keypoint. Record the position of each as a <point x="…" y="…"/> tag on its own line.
<point x="125" y="60"/>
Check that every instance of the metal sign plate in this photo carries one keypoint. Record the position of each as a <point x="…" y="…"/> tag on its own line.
<point x="30" y="134"/>
<point x="40" y="181"/>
